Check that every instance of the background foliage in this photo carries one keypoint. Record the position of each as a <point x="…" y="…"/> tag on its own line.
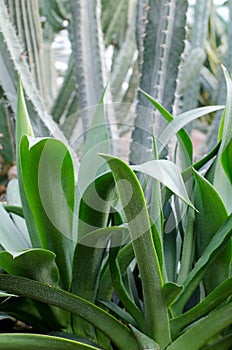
<point x="120" y="44"/>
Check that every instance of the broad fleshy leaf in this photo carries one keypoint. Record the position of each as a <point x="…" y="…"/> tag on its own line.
<point x="217" y="243"/>
<point x="134" y="207"/>
<point x="36" y="264"/>
<point x="200" y="333"/>
<point x="168" y="174"/>
<point x="208" y="202"/>
<point x="212" y="301"/>
<point x="120" y="335"/>
<point x="144" y="341"/>
<point x="49" y="185"/>
<point x="225" y="151"/>
<point x="171" y="291"/>
<point x="36" y="341"/>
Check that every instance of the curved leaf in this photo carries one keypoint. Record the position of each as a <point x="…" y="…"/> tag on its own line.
<point x="211" y="302"/>
<point x="182" y="120"/>
<point x="181" y="134"/>
<point x="134" y="206"/>
<point x="167" y="173"/>
<point x="144" y="341"/>
<point x="93" y="214"/>
<point x="198" y="335"/>
<point x="120" y="335"/>
<point x="171" y="291"/>
<point x="37" y="264"/>
<point x="225" y="151"/>
<point x="218" y="242"/>
<point x="48" y="182"/>
<point x="120" y="289"/>
<point x="208" y="202"/>
<point x="36" y="341"/>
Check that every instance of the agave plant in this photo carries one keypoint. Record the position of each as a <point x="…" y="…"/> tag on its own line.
<point x="92" y="264"/>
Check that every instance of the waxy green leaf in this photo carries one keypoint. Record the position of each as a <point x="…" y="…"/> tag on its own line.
<point x="217" y="243"/>
<point x="208" y="202"/>
<point x="199" y="334"/>
<point x="37" y="264"/>
<point x="212" y="301"/>
<point x="49" y="186"/>
<point x="225" y="152"/>
<point x="168" y="174"/>
<point x="144" y="341"/>
<point x="37" y="341"/>
<point x="134" y="207"/>
<point x="120" y="335"/>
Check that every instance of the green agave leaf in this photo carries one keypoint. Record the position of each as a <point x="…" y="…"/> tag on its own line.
<point x="11" y="238"/>
<point x="93" y="214"/>
<point x="181" y="134"/>
<point x="226" y="161"/>
<point x="144" y="341"/>
<point x="221" y="126"/>
<point x="182" y="120"/>
<point x="100" y="238"/>
<point x="225" y="151"/>
<point x="171" y="291"/>
<point x="125" y="257"/>
<point x="23" y="126"/>
<point x="120" y="335"/>
<point x="208" y="202"/>
<point x="120" y="289"/>
<point x="200" y="333"/>
<point x="74" y="337"/>
<point x="188" y="248"/>
<point x="216" y="245"/>
<point x="118" y="312"/>
<point x="222" y="344"/>
<point x="217" y="176"/>
<point x="222" y="178"/>
<point x="211" y="302"/>
<point x="14" y="210"/>
<point x="186" y="173"/>
<point x="134" y="207"/>
<point x="49" y="185"/>
<point x="36" y="341"/>
<point x="37" y="264"/>
<point x="167" y="173"/>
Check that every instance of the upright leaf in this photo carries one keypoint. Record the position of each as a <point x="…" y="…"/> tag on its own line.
<point x="48" y="180"/>
<point x="216" y="245"/>
<point x="134" y="206"/>
<point x="209" y="203"/>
